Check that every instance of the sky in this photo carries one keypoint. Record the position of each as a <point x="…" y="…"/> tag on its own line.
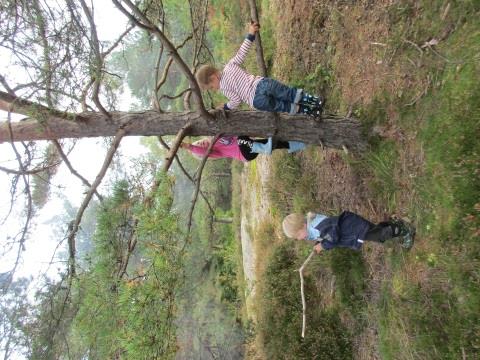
<point x="87" y="158"/>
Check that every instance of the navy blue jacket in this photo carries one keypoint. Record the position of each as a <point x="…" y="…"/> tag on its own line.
<point x="343" y="231"/>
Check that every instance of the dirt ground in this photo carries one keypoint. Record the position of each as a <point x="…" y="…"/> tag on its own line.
<point x="255" y="210"/>
<point x="353" y="39"/>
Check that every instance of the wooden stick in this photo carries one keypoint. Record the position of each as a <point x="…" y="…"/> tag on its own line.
<point x="304" y="305"/>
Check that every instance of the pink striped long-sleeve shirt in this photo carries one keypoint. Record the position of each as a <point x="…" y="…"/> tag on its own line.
<point x="235" y="83"/>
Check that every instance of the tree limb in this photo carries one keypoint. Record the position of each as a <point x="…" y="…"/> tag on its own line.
<point x="98" y="58"/>
<point x="72" y="170"/>
<point x="28" y="172"/>
<point x="132" y="242"/>
<point x="258" y="39"/>
<point x="198" y="177"/>
<point x="185" y="172"/>
<point x="172" y="97"/>
<point x="29" y="214"/>
<point x="175" y="145"/>
<point x="12" y="103"/>
<point x="7" y="87"/>
<point x="75" y="226"/>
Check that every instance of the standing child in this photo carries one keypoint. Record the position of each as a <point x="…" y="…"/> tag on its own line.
<point x="241" y="148"/>
<point x="258" y="92"/>
<point x="346" y="230"/>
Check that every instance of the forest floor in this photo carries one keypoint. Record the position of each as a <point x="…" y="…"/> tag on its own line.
<point x="390" y="64"/>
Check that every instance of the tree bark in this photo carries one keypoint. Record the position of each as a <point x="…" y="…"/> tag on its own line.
<point x="258" y="41"/>
<point x="223" y="220"/>
<point x="330" y="131"/>
<point x="224" y="174"/>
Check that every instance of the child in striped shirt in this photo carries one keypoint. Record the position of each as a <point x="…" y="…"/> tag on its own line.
<point x="258" y="92"/>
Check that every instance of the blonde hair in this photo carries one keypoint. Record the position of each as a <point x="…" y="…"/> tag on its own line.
<point x="199" y="143"/>
<point x="204" y="73"/>
<point x="293" y="223"/>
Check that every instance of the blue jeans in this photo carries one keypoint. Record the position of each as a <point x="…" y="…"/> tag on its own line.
<point x="272" y="95"/>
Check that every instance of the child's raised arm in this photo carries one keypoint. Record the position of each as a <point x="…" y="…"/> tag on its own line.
<point x="241" y="54"/>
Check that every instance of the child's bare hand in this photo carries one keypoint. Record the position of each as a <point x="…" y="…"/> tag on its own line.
<point x="318" y="248"/>
<point x="253" y="27"/>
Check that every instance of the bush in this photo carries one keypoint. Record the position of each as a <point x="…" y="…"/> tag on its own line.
<point x="349" y="269"/>
<point x="280" y="315"/>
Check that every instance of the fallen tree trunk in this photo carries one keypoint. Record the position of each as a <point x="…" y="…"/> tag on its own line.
<point x="331" y="131"/>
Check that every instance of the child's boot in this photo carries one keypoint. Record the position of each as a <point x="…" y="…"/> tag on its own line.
<point x="294" y="146"/>
<point x="308" y="110"/>
<point x="311" y="100"/>
<point x="404" y="231"/>
<point x="311" y="105"/>
<point x="260" y="148"/>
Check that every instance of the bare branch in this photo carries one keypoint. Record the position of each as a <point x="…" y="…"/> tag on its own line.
<point x="198" y="177"/>
<point x="72" y="170"/>
<point x="160" y="82"/>
<point x="75" y="226"/>
<point x="83" y="97"/>
<point x="3" y="81"/>
<point x="258" y="40"/>
<point x="103" y="55"/>
<point x="29" y="215"/>
<point x="185" y="172"/>
<point x="132" y="242"/>
<point x="172" y="97"/>
<point x="199" y="45"/>
<point x="163" y="79"/>
<point x="47" y="61"/>
<point x="168" y="160"/>
<point x="98" y="58"/>
<point x="175" y="145"/>
<point x="12" y="103"/>
<point x="156" y="100"/>
<point x="117" y="42"/>
<point x="28" y="172"/>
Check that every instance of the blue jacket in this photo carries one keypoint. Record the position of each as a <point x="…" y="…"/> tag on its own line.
<point x="343" y="231"/>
